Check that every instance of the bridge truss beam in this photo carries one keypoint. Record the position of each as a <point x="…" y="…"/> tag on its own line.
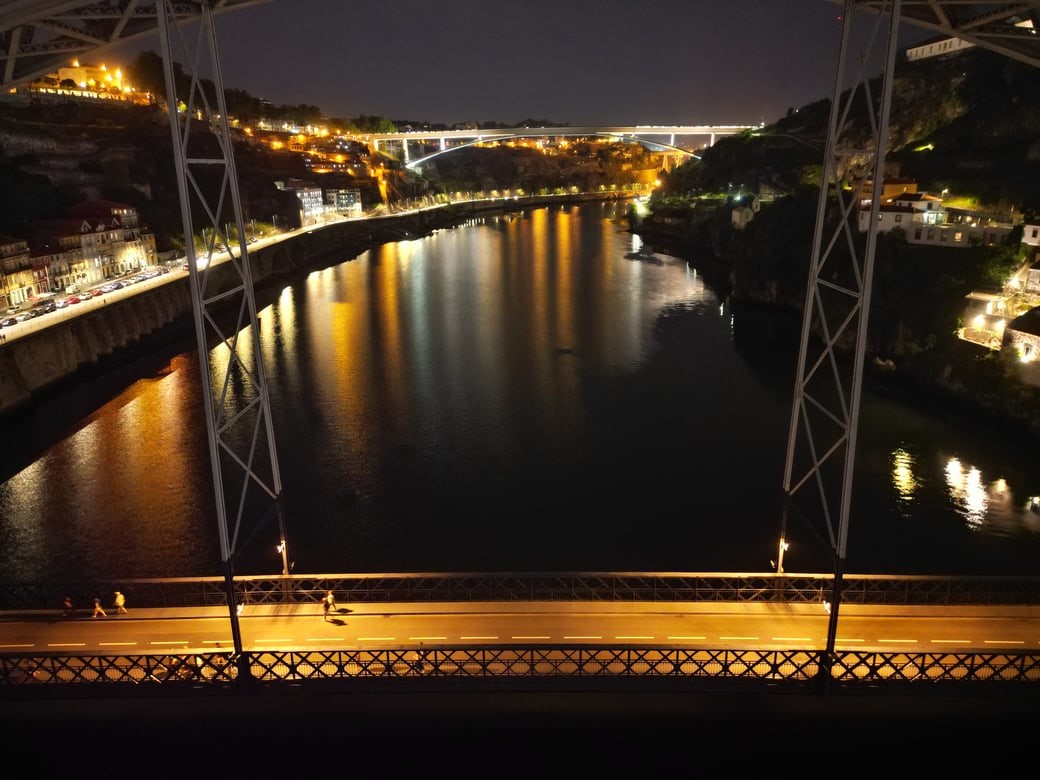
<point x="243" y="457"/>
<point x="38" y="36"/>
<point x="1003" y="27"/>
<point x="825" y="408"/>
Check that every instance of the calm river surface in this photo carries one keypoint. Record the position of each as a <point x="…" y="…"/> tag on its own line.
<point x="528" y="393"/>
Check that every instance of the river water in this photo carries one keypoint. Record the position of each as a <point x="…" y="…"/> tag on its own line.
<point x="535" y="392"/>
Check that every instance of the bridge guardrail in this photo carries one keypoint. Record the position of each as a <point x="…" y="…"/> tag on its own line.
<point x="918" y="590"/>
<point x="54" y="674"/>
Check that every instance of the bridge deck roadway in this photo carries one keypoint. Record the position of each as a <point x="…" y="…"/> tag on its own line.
<point x="371" y="625"/>
<point x="302" y="609"/>
<point x="433" y="729"/>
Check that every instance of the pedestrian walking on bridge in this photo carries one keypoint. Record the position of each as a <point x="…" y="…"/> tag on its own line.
<point x="120" y="603"/>
<point x="98" y="609"/>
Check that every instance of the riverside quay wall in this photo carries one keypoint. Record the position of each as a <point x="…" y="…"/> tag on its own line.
<point x="103" y="332"/>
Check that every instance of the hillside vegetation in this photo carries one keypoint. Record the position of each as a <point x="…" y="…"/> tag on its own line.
<point x="968" y="124"/>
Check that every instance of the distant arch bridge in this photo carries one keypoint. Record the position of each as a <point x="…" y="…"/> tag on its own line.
<point x="653" y="135"/>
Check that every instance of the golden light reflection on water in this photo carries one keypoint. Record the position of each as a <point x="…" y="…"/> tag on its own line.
<point x="134" y="456"/>
<point x="487" y="341"/>
<point x="903" y="475"/>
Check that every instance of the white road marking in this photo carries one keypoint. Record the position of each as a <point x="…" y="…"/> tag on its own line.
<point x="900" y="641"/>
<point x="529" y="637"/>
<point x="684" y="638"/>
<point x="951" y="641"/>
<point x="622" y="636"/>
<point x="1003" y="642"/>
<point x="377" y="638"/>
<point x="117" y="644"/>
<point x="849" y="639"/>
<point x="752" y="638"/>
<point x="479" y="637"/>
<point x="177" y="642"/>
<point x="3" y="646"/>
<point x="426" y="638"/>
<point x="324" y="639"/>
<point x="792" y="639"/>
<point x="67" y="644"/>
<point x="580" y="636"/>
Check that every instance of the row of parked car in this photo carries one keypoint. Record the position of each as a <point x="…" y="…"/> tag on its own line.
<point x="15" y="316"/>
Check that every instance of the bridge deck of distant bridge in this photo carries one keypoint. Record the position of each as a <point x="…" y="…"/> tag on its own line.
<point x="491" y="133"/>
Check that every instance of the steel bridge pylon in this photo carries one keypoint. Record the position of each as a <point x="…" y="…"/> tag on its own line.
<point x="821" y="445"/>
<point x="244" y="460"/>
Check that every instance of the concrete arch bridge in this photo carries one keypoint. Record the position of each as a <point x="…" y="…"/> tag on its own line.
<point x="664" y="138"/>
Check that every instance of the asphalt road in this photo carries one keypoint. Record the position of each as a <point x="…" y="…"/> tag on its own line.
<point x="361" y="626"/>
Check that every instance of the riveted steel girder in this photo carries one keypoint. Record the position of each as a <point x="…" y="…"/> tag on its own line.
<point x="38" y="36"/>
<point x="993" y="25"/>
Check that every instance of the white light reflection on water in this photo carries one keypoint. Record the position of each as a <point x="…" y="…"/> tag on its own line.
<point x="980" y="502"/>
<point x="969" y="496"/>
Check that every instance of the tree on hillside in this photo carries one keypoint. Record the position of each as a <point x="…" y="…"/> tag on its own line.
<point x="26" y="197"/>
<point x="243" y="106"/>
<point x="373" y="124"/>
<point x="148" y="75"/>
<point x="301" y="114"/>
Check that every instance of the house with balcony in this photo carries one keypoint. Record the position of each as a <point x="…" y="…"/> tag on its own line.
<point x="924" y="220"/>
<point x="985" y="319"/>
<point x="17" y="284"/>
<point x="95" y="240"/>
<point x="1030" y="276"/>
<point x="891" y="186"/>
<point x="1022" y="335"/>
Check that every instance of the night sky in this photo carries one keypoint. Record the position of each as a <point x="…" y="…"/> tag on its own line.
<point x="579" y="62"/>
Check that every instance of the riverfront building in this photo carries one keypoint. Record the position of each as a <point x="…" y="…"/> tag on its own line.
<point x="94" y="241"/>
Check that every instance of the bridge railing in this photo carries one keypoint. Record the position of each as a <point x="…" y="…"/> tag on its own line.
<point x="537" y="586"/>
<point x="675" y="667"/>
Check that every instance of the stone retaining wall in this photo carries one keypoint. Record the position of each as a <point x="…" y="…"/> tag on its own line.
<point x="46" y="359"/>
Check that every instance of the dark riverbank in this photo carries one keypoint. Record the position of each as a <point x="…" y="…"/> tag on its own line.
<point x="960" y="381"/>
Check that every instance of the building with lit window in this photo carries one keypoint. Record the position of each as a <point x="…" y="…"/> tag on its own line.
<point x="16" y="273"/>
<point x="344" y="201"/>
<point x="77" y="82"/>
<point x="95" y="240"/>
<point x="312" y="201"/>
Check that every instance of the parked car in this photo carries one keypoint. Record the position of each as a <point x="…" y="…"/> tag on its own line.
<point x="7" y="322"/>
